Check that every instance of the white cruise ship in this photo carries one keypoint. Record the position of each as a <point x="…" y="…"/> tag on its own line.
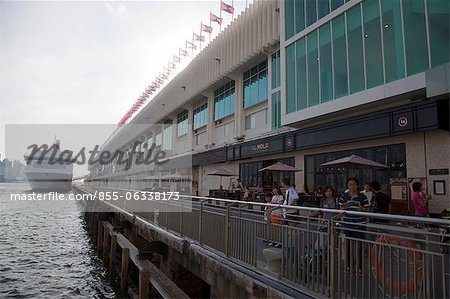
<point x="45" y="176"/>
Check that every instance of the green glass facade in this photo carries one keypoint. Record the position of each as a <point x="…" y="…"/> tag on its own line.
<point x="299" y="14"/>
<point x="369" y="44"/>
<point x="439" y="28"/>
<point x="340" y="57"/>
<point x="275" y="91"/>
<point x="325" y="63"/>
<point x="276" y="110"/>
<point x="392" y="40"/>
<point x="224" y="98"/>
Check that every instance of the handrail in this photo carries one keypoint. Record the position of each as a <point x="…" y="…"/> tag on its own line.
<point x="398" y="218"/>
<point x="323" y="256"/>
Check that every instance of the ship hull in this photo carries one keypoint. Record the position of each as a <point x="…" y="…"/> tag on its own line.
<point x="49" y="181"/>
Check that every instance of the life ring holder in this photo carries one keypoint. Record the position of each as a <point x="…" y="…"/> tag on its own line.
<point x="383" y="278"/>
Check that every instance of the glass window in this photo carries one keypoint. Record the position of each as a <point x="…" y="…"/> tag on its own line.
<point x="289" y="19"/>
<point x="250" y="121"/>
<point x="167" y="136"/>
<point x="438" y="26"/>
<point x="372" y="38"/>
<point x="415" y="36"/>
<point x="392" y="40"/>
<point x="340" y="57"/>
<point x="200" y="116"/>
<point x="299" y="15"/>
<point x="223" y="103"/>
<point x="325" y="62"/>
<point x="275" y="70"/>
<point x="256" y="86"/>
<point x="263" y="86"/>
<point x="158" y="139"/>
<point x="313" y="69"/>
<point x="226" y="130"/>
<point x="182" y="123"/>
<point x="355" y="50"/>
<point x="336" y="3"/>
<point x="323" y="6"/>
<point x="311" y="12"/>
<point x="290" y="79"/>
<point x="276" y="110"/>
<point x="302" y="97"/>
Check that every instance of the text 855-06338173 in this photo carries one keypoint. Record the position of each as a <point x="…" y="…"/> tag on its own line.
<point x="138" y="195"/>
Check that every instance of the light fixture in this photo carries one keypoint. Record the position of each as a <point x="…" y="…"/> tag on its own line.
<point x="217" y="59"/>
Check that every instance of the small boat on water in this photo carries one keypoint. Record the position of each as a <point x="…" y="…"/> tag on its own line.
<point x="45" y="173"/>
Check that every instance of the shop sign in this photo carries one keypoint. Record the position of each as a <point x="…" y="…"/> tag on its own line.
<point x="438" y="171"/>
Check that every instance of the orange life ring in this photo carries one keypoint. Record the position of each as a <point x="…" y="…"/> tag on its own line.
<point x="275" y="219"/>
<point x="378" y="265"/>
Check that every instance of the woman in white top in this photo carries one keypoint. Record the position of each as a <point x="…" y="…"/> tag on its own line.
<point x="277" y="199"/>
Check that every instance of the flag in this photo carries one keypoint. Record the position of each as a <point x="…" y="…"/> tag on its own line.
<point x="163" y="76"/>
<point x="159" y="80"/>
<point x="155" y="85"/>
<point x="215" y="18"/>
<point x="226" y="7"/>
<point x="198" y="37"/>
<point x="145" y="95"/>
<point x="190" y="45"/>
<point x="176" y="58"/>
<point x="183" y="52"/>
<point x="206" y="28"/>
<point x="172" y="65"/>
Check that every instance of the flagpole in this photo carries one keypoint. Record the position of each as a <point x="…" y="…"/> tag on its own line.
<point x="220" y="17"/>
<point x="232" y="15"/>
<point x="209" y="41"/>
<point x="192" y="50"/>
<point x="200" y="36"/>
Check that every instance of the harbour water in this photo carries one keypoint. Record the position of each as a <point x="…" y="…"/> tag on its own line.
<point x="46" y="253"/>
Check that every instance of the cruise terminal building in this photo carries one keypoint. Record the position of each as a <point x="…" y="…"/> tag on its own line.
<point x="306" y="82"/>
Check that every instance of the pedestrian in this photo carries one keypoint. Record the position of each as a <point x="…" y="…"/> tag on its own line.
<point x="380" y="201"/>
<point x="277" y="199"/>
<point x="420" y="200"/>
<point x="291" y="199"/>
<point x="368" y="191"/>
<point x="329" y="202"/>
<point x="353" y="200"/>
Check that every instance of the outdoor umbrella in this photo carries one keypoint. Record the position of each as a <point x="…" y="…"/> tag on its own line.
<point x="221" y="172"/>
<point x="355" y="162"/>
<point x="280" y="167"/>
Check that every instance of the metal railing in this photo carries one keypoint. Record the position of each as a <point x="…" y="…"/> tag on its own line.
<point x="383" y="256"/>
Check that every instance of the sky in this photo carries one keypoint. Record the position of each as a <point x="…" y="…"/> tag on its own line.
<point x="87" y="62"/>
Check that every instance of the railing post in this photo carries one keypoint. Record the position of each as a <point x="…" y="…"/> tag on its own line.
<point x="200" y="221"/>
<point x="124" y="272"/>
<point x="227" y="231"/>
<point x="181" y="216"/>
<point x="112" y="261"/>
<point x="144" y="284"/>
<point x="331" y="257"/>
<point x="100" y="237"/>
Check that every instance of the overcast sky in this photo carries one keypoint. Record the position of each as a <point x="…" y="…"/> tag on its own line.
<point x="88" y="62"/>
